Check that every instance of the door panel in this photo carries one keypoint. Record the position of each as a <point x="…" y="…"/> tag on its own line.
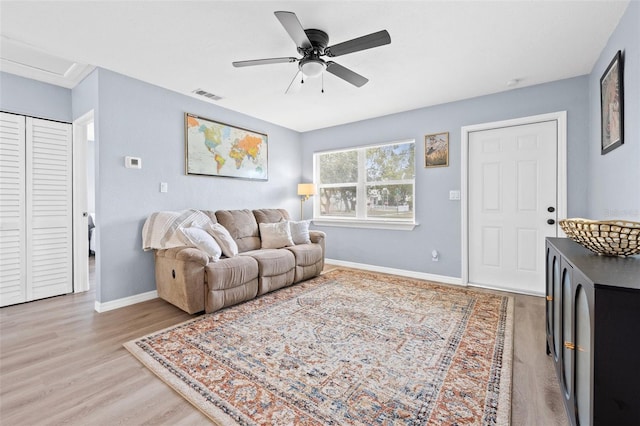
<point x="568" y="344"/>
<point x="12" y="210"/>
<point x="583" y="357"/>
<point x="512" y="183"/>
<point x="49" y="213"/>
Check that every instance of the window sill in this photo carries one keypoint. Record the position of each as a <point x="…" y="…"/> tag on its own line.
<point x="370" y="224"/>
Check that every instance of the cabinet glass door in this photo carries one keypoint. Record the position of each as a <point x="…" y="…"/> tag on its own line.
<point x="567" y="338"/>
<point x="583" y="358"/>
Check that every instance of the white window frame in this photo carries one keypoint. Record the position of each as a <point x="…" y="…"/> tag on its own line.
<point x="360" y="220"/>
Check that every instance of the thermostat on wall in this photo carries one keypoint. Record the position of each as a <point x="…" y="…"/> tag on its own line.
<point x="133" y="162"/>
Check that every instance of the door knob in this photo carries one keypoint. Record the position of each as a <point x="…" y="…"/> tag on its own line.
<point x="551" y="209"/>
<point x="551" y="221"/>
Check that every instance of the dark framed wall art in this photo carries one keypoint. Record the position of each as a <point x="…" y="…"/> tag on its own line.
<point x="219" y="149"/>
<point x="612" y="106"/>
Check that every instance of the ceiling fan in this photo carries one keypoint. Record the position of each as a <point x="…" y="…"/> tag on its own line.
<point x="312" y="45"/>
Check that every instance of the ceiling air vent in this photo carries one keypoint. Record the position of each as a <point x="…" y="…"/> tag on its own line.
<point x="207" y="95"/>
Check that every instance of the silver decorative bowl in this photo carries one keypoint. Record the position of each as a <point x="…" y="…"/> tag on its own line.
<point x="606" y="237"/>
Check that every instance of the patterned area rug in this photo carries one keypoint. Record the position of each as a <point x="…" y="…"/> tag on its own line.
<point x="347" y="347"/>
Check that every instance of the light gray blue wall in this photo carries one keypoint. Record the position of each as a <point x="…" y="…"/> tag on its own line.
<point x="440" y="218"/>
<point x="34" y="98"/>
<point x="138" y="119"/>
<point x="141" y="120"/>
<point x="614" y="178"/>
<point x="85" y="96"/>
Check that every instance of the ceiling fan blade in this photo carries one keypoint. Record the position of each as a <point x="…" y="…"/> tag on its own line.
<point x="361" y="43"/>
<point x="238" y="64"/>
<point x="346" y="74"/>
<point x="290" y="22"/>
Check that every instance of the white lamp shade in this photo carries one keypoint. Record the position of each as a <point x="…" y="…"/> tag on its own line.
<point x="306" y="189"/>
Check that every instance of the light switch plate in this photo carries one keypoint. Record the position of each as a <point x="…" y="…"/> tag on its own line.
<point x="164" y="187"/>
<point x="454" y="195"/>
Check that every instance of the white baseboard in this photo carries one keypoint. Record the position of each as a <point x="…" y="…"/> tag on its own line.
<point x="508" y="290"/>
<point x="125" y="301"/>
<point x="402" y="272"/>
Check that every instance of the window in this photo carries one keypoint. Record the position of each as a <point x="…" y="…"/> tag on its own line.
<point x="372" y="184"/>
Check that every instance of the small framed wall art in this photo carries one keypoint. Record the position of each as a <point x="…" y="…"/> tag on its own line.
<point x="436" y="150"/>
<point x="612" y="106"/>
<point x="219" y="149"/>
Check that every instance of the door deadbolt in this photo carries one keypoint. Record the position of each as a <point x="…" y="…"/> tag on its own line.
<point x="551" y="221"/>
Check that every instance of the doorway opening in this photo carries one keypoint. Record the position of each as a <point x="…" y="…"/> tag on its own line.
<point x="84" y="223"/>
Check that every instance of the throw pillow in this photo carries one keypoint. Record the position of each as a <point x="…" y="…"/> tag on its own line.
<point x="275" y="235"/>
<point x="201" y="239"/>
<point x="224" y="239"/>
<point x="300" y="231"/>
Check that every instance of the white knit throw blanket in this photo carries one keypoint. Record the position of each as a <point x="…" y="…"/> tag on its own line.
<point x="160" y="230"/>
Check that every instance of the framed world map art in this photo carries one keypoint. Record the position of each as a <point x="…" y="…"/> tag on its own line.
<point x="219" y="149"/>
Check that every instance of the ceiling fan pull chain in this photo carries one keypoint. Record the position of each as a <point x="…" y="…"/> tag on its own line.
<point x="322" y="91"/>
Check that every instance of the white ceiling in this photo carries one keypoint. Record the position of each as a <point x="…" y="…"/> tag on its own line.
<point x="440" y="51"/>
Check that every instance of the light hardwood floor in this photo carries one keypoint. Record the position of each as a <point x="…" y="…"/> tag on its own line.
<point x="63" y="363"/>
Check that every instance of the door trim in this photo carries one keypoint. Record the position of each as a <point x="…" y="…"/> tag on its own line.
<point x="561" y="118"/>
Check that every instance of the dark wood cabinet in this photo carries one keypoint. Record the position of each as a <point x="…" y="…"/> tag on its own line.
<point x="593" y="333"/>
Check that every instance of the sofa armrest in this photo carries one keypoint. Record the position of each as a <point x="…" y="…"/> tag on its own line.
<point x="185" y="254"/>
<point x="180" y="277"/>
<point x="317" y="237"/>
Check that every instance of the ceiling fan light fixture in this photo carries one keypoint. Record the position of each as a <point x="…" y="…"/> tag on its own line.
<point x="312" y="67"/>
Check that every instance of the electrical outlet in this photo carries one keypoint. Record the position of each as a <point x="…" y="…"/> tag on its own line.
<point x="435" y="256"/>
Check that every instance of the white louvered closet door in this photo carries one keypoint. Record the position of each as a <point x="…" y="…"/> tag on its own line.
<point x="12" y="210"/>
<point x="49" y="208"/>
<point x="36" y="239"/>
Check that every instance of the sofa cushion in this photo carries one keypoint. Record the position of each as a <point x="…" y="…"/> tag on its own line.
<point x="309" y="260"/>
<point x="300" y="231"/>
<point x="230" y="282"/>
<point x="272" y="262"/>
<point x="231" y="273"/>
<point x="275" y="235"/>
<point x="306" y="254"/>
<point x="223" y="238"/>
<point x="271" y="215"/>
<point x="276" y="268"/>
<point x="242" y="226"/>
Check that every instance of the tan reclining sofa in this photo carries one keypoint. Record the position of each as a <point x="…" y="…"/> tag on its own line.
<point x="186" y="278"/>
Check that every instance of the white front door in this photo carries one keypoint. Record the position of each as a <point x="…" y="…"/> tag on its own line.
<point x="512" y="205"/>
